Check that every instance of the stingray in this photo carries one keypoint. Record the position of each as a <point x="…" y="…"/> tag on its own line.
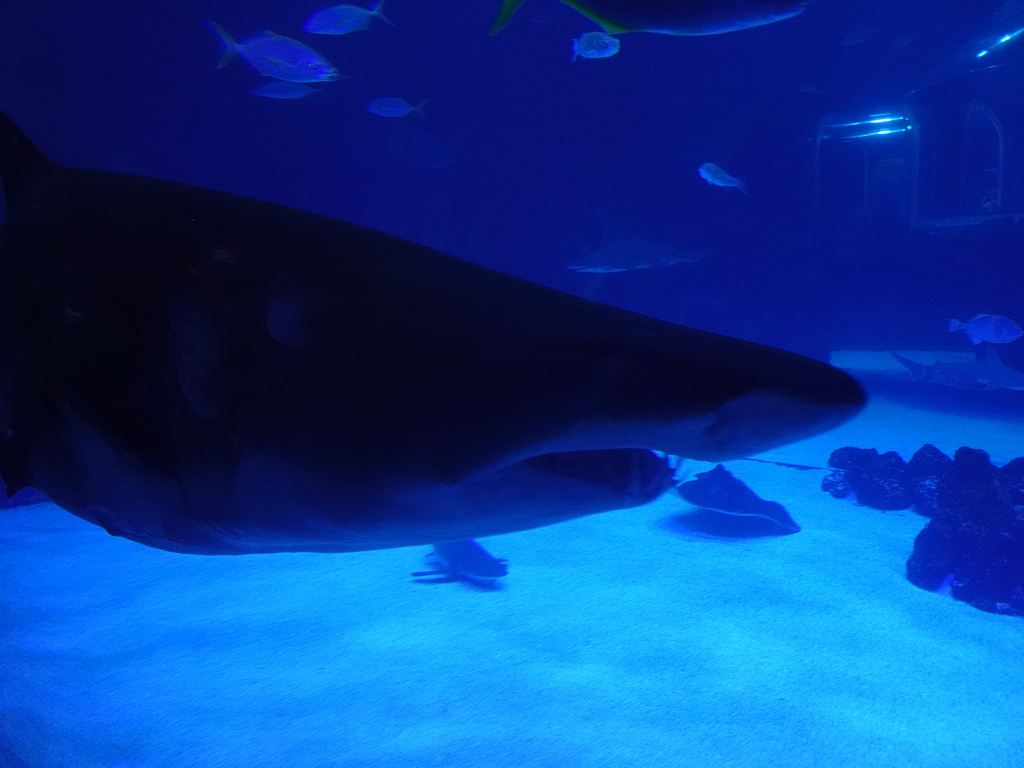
<point x="718" y="489"/>
<point x="207" y="373"/>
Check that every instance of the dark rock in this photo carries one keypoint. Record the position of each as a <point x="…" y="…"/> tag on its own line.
<point x="976" y="535"/>
<point x="834" y="483"/>
<point x="924" y="473"/>
<point x="1012" y="476"/>
<point x="875" y="480"/>
<point x="851" y="457"/>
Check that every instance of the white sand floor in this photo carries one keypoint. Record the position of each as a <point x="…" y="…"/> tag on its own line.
<point x="617" y="641"/>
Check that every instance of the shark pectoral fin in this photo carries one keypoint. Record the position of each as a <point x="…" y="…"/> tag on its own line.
<point x="508" y="9"/>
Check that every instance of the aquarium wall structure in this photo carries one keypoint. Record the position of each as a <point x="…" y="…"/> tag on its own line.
<point x="597" y="384"/>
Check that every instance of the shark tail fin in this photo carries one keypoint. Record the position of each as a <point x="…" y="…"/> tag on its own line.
<point x="21" y="162"/>
<point x="230" y="46"/>
<point x="378" y="11"/>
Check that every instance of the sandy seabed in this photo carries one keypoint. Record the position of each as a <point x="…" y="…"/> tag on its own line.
<point x="617" y="641"/>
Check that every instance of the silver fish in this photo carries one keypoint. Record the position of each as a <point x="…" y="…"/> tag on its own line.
<point x="393" y="106"/>
<point x="715" y="176"/>
<point x="594" y="45"/>
<point x="342" y="19"/>
<point x="276" y="56"/>
<point x="994" y="329"/>
<point x="282" y="90"/>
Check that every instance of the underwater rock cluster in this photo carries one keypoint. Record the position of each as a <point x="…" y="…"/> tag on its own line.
<point x="886" y="481"/>
<point x="974" y="542"/>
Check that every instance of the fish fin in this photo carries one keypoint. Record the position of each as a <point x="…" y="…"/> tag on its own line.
<point x="378" y="11"/>
<point x="918" y="372"/>
<point x="508" y="8"/>
<point x="953" y="325"/>
<point x="197" y="347"/>
<point x="418" y="109"/>
<point x="609" y="26"/>
<point x="230" y="46"/>
<point x="21" y="162"/>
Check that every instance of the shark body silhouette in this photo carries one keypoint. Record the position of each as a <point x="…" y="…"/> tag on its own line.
<point x="206" y="373"/>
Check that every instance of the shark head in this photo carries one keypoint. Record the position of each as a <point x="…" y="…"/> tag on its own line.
<point x="208" y="373"/>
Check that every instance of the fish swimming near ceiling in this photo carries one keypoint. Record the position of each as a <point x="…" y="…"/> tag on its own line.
<point x="276" y="56"/>
<point x="673" y="17"/>
<point x="594" y="45"/>
<point x="344" y="19"/>
<point x="717" y="177"/>
<point x="207" y="373"/>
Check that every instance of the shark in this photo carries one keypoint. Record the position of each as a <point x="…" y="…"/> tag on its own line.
<point x="672" y="17"/>
<point x="207" y="373"/>
<point x="987" y="372"/>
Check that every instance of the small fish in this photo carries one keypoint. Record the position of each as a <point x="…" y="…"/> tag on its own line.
<point x="594" y="45"/>
<point x="342" y="19"/>
<point x="282" y="90"/>
<point x="715" y="176"/>
<point x="276" y="56"/>
<point x="673" y="17"/>
<point x="994" y="329"/>
<point x="393" y="106"/>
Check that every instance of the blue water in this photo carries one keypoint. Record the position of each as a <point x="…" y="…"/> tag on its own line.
<point x="524" y="161"/>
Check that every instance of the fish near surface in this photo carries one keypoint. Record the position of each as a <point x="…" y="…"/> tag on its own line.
<point x="343" y="19"/>
<point x="276" y="56"/>
<point x="673" y="17"/>
<point x="716" y="177"/>
<point x="594" y="45"/>
<point x="206" y="373"/>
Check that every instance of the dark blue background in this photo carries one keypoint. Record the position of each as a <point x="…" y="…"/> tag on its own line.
<point x="547" y="157"/>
